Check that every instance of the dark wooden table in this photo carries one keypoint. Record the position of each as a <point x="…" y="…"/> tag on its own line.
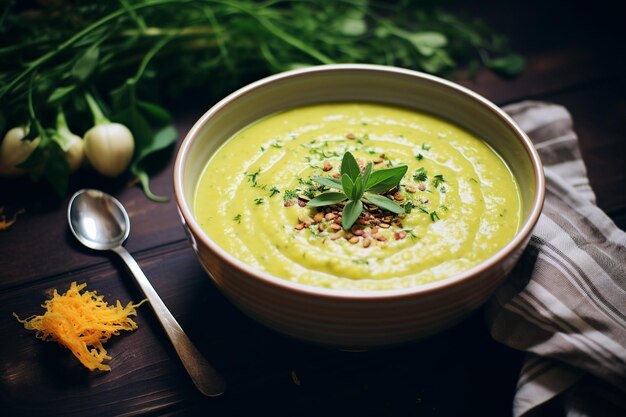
<point x="575" y="58"/>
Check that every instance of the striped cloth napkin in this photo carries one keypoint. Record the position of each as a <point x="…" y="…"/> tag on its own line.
<point x="565" y="302"/>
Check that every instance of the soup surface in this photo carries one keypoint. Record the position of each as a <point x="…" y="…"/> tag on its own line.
<point x="460" y="201"/>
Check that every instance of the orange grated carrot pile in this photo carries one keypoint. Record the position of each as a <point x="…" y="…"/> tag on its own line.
<point x="79" y="321"/>
<point x="6" y="224"/>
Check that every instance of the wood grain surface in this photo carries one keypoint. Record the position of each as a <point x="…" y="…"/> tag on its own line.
<point x="572" y="60"/>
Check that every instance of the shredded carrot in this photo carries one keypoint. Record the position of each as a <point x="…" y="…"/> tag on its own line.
<point x="79" y="321"/>
<point x="4" y="223"/>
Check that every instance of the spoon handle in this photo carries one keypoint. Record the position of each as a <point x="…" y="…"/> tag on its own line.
<point x="208" y="381"/>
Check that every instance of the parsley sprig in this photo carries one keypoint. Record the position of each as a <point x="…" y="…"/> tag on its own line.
<point x="357" y="186"/>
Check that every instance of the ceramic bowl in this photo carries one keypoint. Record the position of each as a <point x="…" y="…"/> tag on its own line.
<point x="357" y="319"/>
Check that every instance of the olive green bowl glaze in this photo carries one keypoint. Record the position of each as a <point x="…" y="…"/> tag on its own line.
<point x="357" y="319"/>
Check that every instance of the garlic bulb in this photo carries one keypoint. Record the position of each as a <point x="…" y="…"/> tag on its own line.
<point x="109" y="148"/>
<point x="14" y="151"/>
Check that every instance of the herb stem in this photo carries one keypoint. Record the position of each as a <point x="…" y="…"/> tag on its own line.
<point x="72" y="40"/>
<point x="98" y="117"/>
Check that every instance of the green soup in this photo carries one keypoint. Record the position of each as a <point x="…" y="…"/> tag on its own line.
<point x="461" y="202"/>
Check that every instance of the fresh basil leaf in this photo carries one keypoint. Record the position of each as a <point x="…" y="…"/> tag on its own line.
<point x="86" y="64"/>
<point x="385" y="179"/>
<point x="366" y="174"/>
<point x="60" y="93"/>
<point x="427" y="42"/>
<point x="48" y="161"/>
<point x="383" y="202"/>
<point x="154" y="113"/>
<point x="162" y="139"/>
<point x="357" y="190"/>
<point x="349" y="166"/>
<point x="328" y="182"/>
<point x="508" y="65"/>
<point x="327" y="199"/>
<point x="351" y="212"/>
<point x="347" y="184"/>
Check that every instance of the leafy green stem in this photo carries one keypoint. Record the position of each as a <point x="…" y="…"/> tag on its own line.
<point x="72" y="40"/>
<point x="98" y="116"/>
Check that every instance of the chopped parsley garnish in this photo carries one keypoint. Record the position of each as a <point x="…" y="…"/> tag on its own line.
<point x="419" y="156"/>
<point x="253" y="177"/>
<point x="259" y="201"/>
<point x="434" y="216"/>
<point x="422" y="209"/>
<point x="237" y="218"/>
<point x="425" y="147"/>
<point x="274" y="190"/>
<point x="408" y="207"/>
<point x="437" y="180"/>
<point x="290" y="195"/>
<point x="411" y="233"/>
<point x="420" y="174"/>
<point x="276" y="145"/>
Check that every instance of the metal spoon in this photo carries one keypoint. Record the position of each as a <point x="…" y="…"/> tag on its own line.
<point x="100" y="222"/>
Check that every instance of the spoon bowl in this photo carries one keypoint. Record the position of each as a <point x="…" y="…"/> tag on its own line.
<point x="100" y="222"/>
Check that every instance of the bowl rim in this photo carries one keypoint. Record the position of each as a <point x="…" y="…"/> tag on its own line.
<point x="281" y="283"/>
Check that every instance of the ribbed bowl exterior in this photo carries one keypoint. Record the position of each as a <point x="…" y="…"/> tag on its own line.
<point x="356" y="319"/>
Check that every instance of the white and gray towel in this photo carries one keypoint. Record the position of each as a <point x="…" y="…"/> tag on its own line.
<point x="565" y="302"/>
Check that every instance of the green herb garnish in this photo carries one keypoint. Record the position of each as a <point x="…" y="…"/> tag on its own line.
<point x="356" y="185"/>
<point x="237" y="218"/>
<point x="419" y="156"/>
<point x="425" y="147"/>
<point x="290" y="195"/>
<point x="258" y="201"/>
<point x="252" y="177"/>
<point x="437" y="180"/>
<point x="434" y="216"/>
<point x="420" y="174"/>
<point x="274" y="190"/>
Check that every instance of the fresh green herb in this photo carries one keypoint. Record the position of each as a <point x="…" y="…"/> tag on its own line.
<point x="419" y="156"/>
<point x="425" y="147"/>
<point x="356" y="185"/>
<point x="420" y="174"/>
<point x="443" y="190"/>
<point x="252" y="177"/>
<point x="434" y="216"/>
<point x="411" y="233"/>
<point x="437" y="180"/>
<point x="263" y="148"/>
<point x="259" y="201"/>
<point x="274" y="190"/>
<point x="444" y="208"/>
<point x="290" y="195"/>
<point x="422" y="209"/>
<point x="408" y="207"/>
<point x="472" y="179"/>
<point x="361" y="261"/>
<point x="121" y="52"/>
<point x="237" y="218"/>
<point x="277" y="145"/>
